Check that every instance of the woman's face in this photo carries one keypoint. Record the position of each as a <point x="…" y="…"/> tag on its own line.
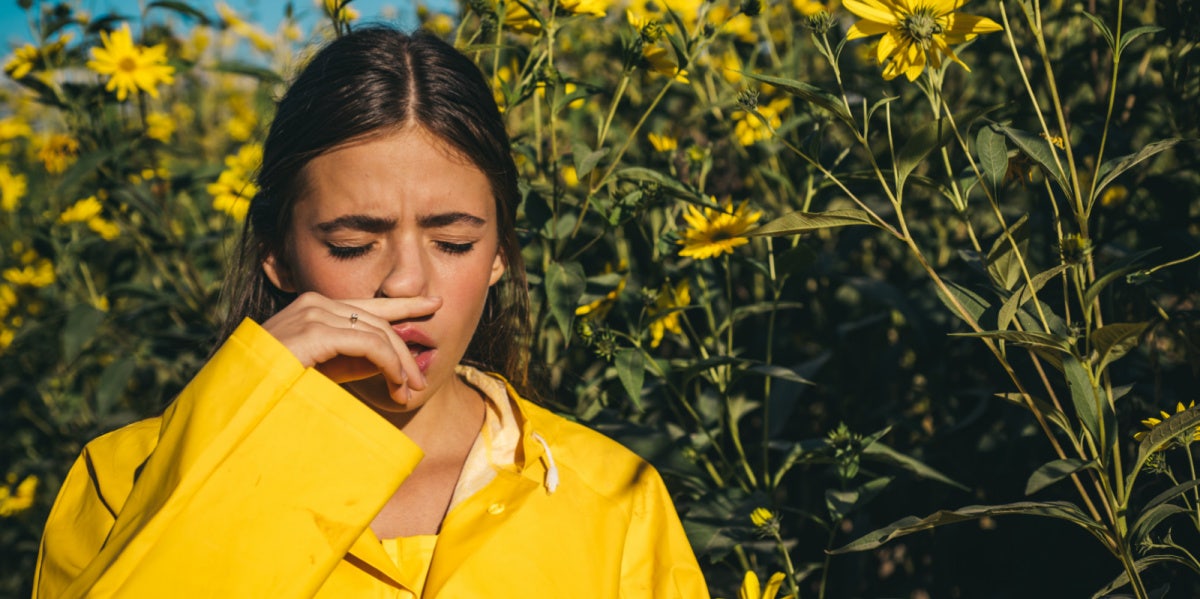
<point x="400" y="216"/>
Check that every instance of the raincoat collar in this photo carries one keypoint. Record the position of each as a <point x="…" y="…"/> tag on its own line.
<point x="532" y="466"/>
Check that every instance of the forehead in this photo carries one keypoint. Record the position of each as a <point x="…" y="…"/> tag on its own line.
<point x="403" y="173"/>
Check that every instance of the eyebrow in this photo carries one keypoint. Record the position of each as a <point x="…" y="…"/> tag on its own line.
<point x="378" y="224"/>
<point x="445" y="219"/>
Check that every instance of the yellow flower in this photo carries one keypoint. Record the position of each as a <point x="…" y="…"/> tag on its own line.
<point x="595" y="8"/>
<point x="38" y="274"/>
<point x="738" y="24"/>
<point x="12" y="188"/>
<point x="81" y="211"/>
<point x="234" y="186"/>
<point x="160" y="126"/>
<point x="809" y="8"/>
<point x="749" y="129"/>
<point x="6" y="338"/>
<point x="751" y="589"/>
<point x="1114" y="196"/>
<point x="11" y="129"/>
<point x="240" y="27"/>
<point x="662" y="143"/>
<point x="687" y="10"/>
<point x="242" y="124"/>
<point x="340" y="10"/>
<point x="1150" y="423"/>
<point x="440" y="24"/>
<point x="106" y="229"/>
<point x="761" y="516"/>
<point x="661" y="60"/>
<point x="129" y="66"/>
<point x="714" y="232"/>
<point x="22" y="61"/>
<point x="915" y="32"/>
<point x="517" y="18"/>
<point x="12" y="503"/>
<point x="598" y="309"/>
<point x="8" y="300"/>
<point x="1055" y="140"/>
<point x="668" y="303"/>
<point x="570" y="176"/>
<point x="57" y="152"/>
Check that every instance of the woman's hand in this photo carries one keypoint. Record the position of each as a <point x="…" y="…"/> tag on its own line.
<point x="348" y="340"/>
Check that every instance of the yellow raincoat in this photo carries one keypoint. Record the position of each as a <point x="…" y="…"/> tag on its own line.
<point x="262" y="478"/>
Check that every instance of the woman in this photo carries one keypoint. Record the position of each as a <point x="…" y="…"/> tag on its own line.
<point x="352" y="445"/>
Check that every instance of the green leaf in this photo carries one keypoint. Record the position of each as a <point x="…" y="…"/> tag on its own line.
<point x="802" y="222"/>
<point x="972" y="302"/>
<point x="1054" y="471"/>
<point x="564" y="286"/>
<point x="878" y="452"/>
<point x="1170" y="494"/>
<point x="1003" y="261"/>
<point x="801" y="451"/>
<point x="841" y="503"/>
<point x="1031" y="339"/>
<point x="113" y="383"/>
<point x="679" y="190"/>
<point x="1040" y="150"/>
<point x="1150" y="519"/>
<point x="809" y="93"/>
<point x="880" y="104"/>
<point x="1128" y="37"/>
<point x="1177" y="425"/>
<point x="1122" y="579"/>
<point x="1053" y="414"/>
<point x="1084" y="396"/>
<point x="1104" y="30"/>
<point x="586" y="160"/>
<point x="631" y="369"/>
<point x="1009" y="309"/>
<point x="181" y="8"/>
<point x="929" y="137"/>
<point x="779" y="372"/>
<point x="237" y="67"/>
<point x="1123" y="267"/>
<point x="1111" y="169"/>
<point x="1115" y="340"/>
<point x="82" y="323"/>
<point x="993" y="155"/>
<point x="905" y="526"/>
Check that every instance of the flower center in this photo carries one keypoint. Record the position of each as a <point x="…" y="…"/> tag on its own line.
<point x="921" y="26"/>
<point x="127" y="64"/>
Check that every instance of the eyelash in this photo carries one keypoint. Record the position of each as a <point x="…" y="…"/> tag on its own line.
<point x="455" y="248"/>
<point x="348" y="252"/>
<point x="343" y="252"/>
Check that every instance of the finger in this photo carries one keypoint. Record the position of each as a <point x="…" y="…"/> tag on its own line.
<point x="393" y="309"/>
<point x="412" y="375"/>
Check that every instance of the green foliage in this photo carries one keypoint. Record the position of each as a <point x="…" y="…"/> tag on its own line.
<point x="693" y="188"/>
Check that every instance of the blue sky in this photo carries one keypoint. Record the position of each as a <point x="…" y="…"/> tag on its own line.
<point x="14" y="23"/>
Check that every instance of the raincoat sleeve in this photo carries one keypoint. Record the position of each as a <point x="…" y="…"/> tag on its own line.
<point x="262" y="475"/>
<point x="658" y="560"/>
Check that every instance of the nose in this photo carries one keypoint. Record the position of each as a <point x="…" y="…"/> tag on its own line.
<point x="407" y="274"/>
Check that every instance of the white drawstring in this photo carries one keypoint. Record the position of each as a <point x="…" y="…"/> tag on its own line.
<point x="551" y="469"/>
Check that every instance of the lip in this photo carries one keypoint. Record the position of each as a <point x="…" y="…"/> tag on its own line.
<point x="411" y="336"/>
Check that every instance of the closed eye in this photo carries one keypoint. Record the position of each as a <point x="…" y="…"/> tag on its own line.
<point x="348" y="252"/>
<point x="455" y="248"/>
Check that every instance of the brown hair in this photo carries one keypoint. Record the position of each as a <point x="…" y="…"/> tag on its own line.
<point x="369" y="82"/>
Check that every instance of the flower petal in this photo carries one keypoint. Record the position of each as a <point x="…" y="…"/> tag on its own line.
<point x="969" y="25"/>
<point x="887" y="46"/>
<point x="872" y="10"/>
<point x="867" y="28"/>
<point x="750" y="588"/>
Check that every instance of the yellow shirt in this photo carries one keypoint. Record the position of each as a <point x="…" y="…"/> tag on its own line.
<point x="263" y="476"/>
